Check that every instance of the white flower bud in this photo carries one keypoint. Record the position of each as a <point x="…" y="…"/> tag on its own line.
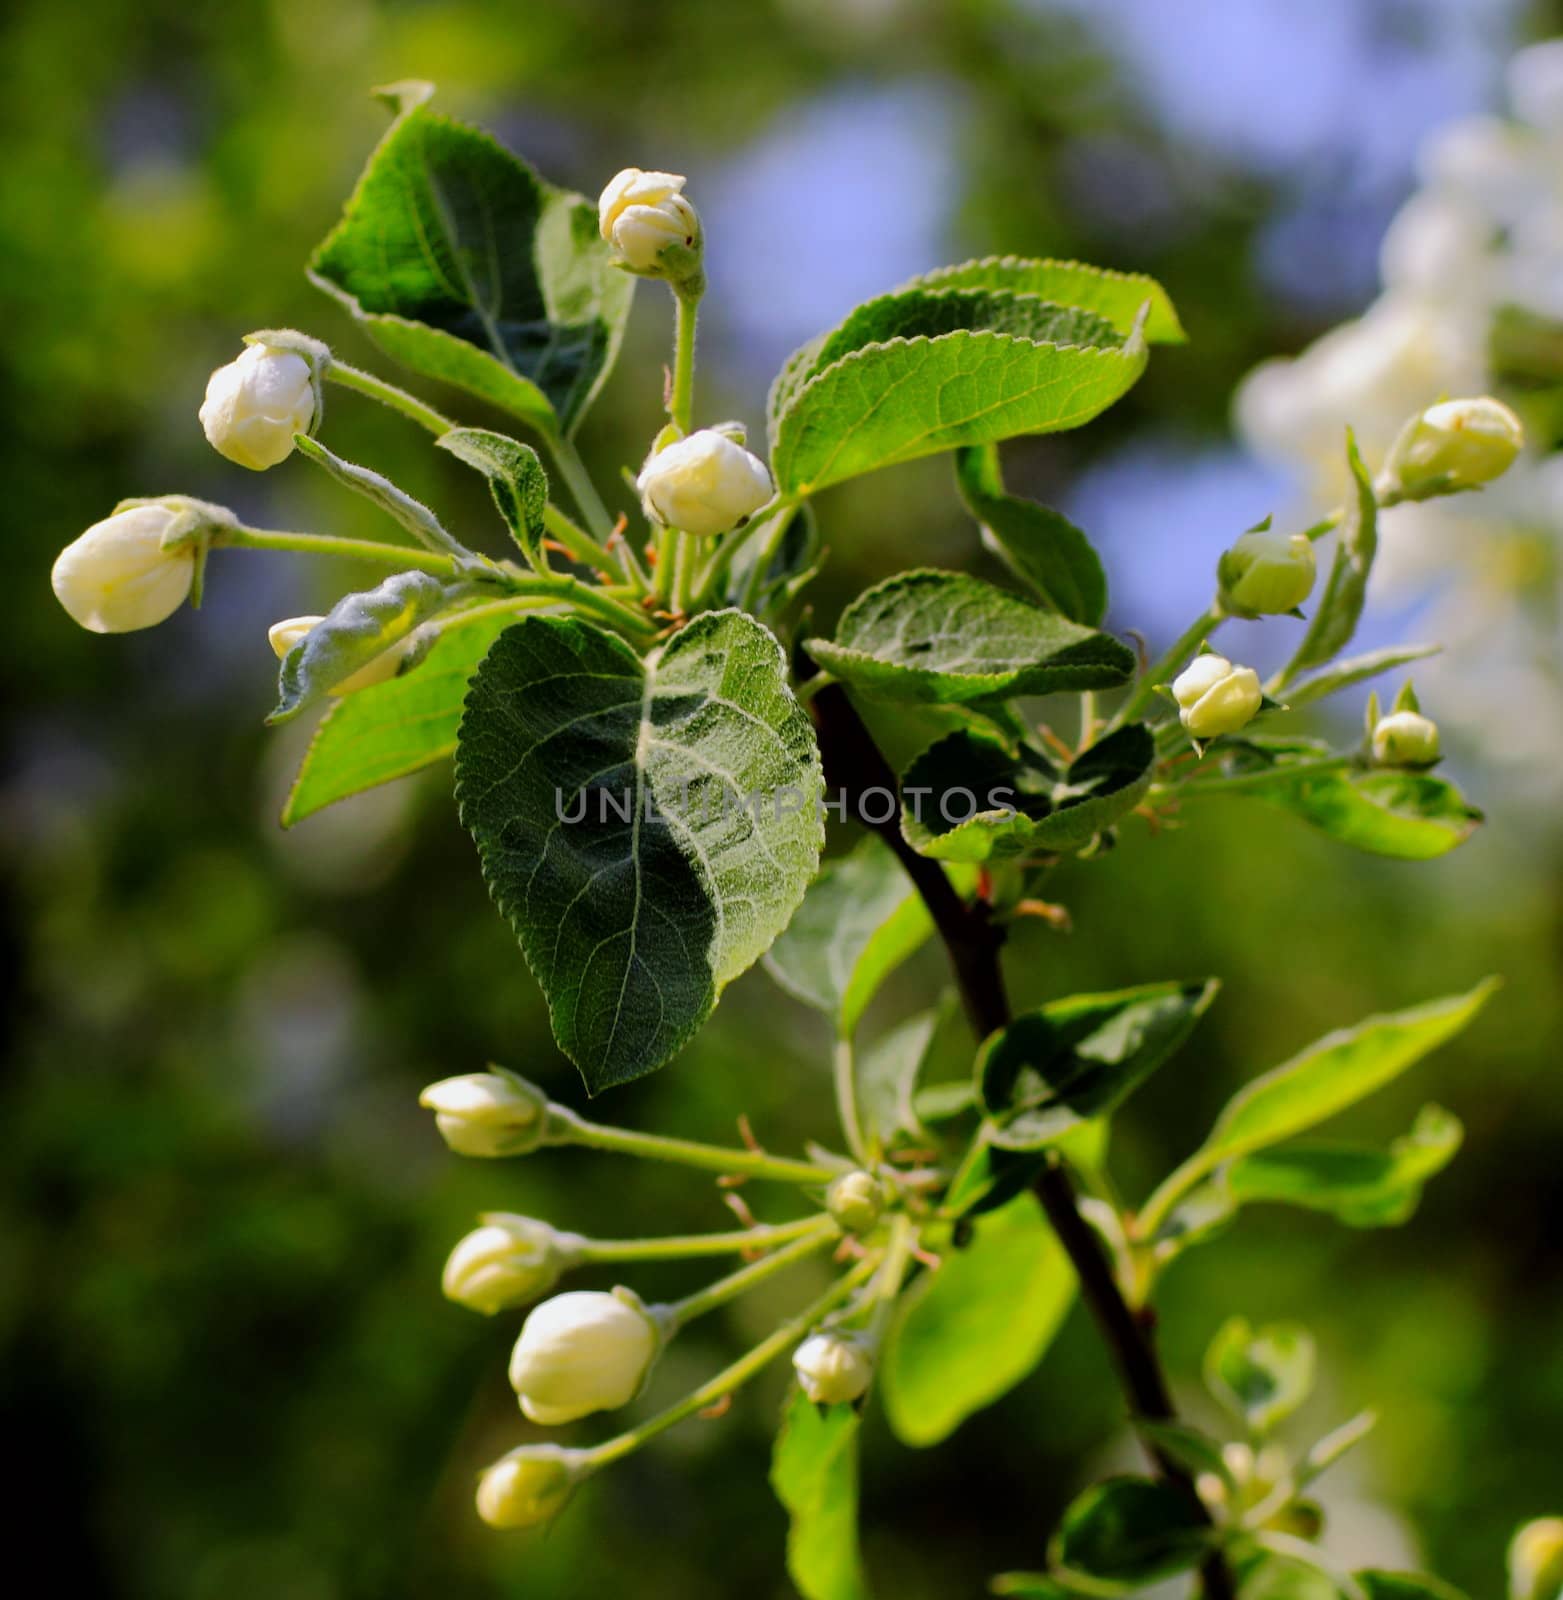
<point x="1458" y="444"/>
<point x="1536" y="1560"/>
<point x="704" y="484"/>
<point x="492" y="1113"/>
<point x="1266" y="574"/>
<point x="1214" y="697"/>
<point x="255" y="405"/>
<point x="833" y="1368"/>
<point x="509" y="1261"/>
<point x="1405" y="739"/>
<point x="529" y="1486"/>
<point x="581" y="1352"/>
<point x="117" y="576"/>
<point x="642" y="214"/>
<point x="856" y="1200"/>
<point x="385" y="666"/>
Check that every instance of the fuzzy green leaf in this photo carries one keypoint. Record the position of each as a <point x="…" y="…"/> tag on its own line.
<point x="1128" y="1533"/>
<point x="1260" y="1375"/>
<point x="647" y="827"/>
<point x="515" y="478"/>
<point x="814" y="1474"/>
<point x="459" y="261"/>
<point x="412" y="514"/>
<point x="1354" y="670"/>
<point x="942" y="636"/>
<point x="967" y="1332"/>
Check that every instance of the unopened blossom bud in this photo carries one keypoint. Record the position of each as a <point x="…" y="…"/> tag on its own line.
<point x="1266" y="574"/>
<point x="509" y="1261"/>
<point x="1214" y="697"/>
<point x="1536" y="1560"/>
<point x="117" y="576"/>
<point x="856" y="1200"/>
<point x="647" y="220"/>
<point x="704" y="484"/>
<point x="1405" y="739"/>
<point x="1456" y="445"/>
<point x="528" y="1487"/>
<point x="255" y="405"/>
<point x="492" y="1113"/>
<point x="385" y="666"/>
<point x="833" y="1368"/>
<point x="581" y="1352"/>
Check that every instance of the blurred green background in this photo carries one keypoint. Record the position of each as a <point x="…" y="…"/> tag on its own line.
<point x="228" y="1371"/>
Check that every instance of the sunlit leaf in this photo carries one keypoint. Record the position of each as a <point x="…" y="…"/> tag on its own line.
<point x="814" y="1474"/>
<point x="515" y="478"/>
<point x="1260" y="1375"/>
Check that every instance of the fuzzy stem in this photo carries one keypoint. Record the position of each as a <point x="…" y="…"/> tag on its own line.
<point x="388" y="395"/>
<point x="681" y="398"/>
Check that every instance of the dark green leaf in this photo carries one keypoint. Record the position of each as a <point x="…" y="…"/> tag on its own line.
<point x="941" y="636"/>
<point x="1128" y="1533"/>
<point x="1405" y="1586"/>
<point x="967" y="1332"/>
<point x="1042" y="546"/>
<point x="647" y="827"/>
<point x="1193" y="1451"/>
<point x="1263" y="1375"/>
<point x="385" y="732"/>
<point x="515" y="478"/>
<point x="814" y="1474"/>
<point x="1076" y="1060"/>
<point x="357" y="629"/>
<point x="464" y="265"/>
<point x="967" y="798"/>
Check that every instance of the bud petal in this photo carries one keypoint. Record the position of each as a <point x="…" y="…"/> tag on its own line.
<point x="509" y="1261"/>
<point x="856" y="1200"/>
<point x="1405" y="739"/>
<point x="1266" y="574"/>
<point x="1214" y="697"/>
<point x="117" y="577"/>
<point x="1456" y="445"/>
<point x="581" y="1352"/>
<point x="492" y="1113"/>
<point x="834" y="1368"/>
<point x="704" y="484"/>
<point x="529" y="1486"/>
<point x="1536" y="1560"/>
<point x="255" y="405"/>
<point x="644" y="214"/>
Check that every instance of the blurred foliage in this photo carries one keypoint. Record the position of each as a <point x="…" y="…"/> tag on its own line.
<point x="228" y="1371"/>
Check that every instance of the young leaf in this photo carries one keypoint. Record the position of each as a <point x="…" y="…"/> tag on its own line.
<point x="968" y="1331"/>
<point x="967" y="798"/>
<point x="413" y="515"/>
<point x="1340" y="605"/>
<point x="1042" y="546"/>
<point x="887" y="1075"/>
<point x="515" y="478"/>
<point x="1361" y="1186"/>
<point x="1260" y="1376"/>
<point x="1354" y="670"/>
<point x="647" y="827"/>
<point x="1128" y="1533"/>
<point x="1075" y="1060"/>
<point x="942" y="636"/>
<point x="814" y="1475"/>
<point x="1405" y="1586"/>
<point x="358" y="628"/>
<point x="396" y="727"/>
<point x="888" y="403"/>
<point x="1117" y="296"/>
<point x="463" y="264"/>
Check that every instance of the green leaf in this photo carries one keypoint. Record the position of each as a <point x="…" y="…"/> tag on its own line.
<point x="1128" y="1533"/>
<point x="1354" y="670"/>
<point x="1261" y="1376"/>
<point x="459" y="261"/>
<point x="967" y="798"/>
<point x="860" y="919"/>
<point x="887" y="1074"/>
<point x="1274" y="1578"/>
<point x="965" y="1333"/>
<point x="1117" y="296"/>
<point x="357" y="629"/>
<point x="892" y="402"/>
<point x="394" y="728"/>
<point x="1042" y="546"/>
<point x="515" y="478"/>
<point x="1027" y="1586"/>
<point x="1340" y="605"/>
<point x="1361" y="1186"/>
<point x="814" y="1474"/>
<point x="1325" y="1452"/>
<point x="647" y="827"/>
<point x="1337" y="1071"/>
<point x="941" y="636"/>
<point x="1076" y="1060"/>
<point x="1405" y="1586"/>
<point x="412" y="514"/>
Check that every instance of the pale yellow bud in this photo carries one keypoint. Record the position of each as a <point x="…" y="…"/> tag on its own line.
<point x="704" y="484"/>
<point x="581" y="1352"/>
<point x="509" y="1261"/>
<point x="255" y="405"/>
<point x="833" y="1368"/>
<point x="1459" y="444"/>
<point x="530" y="1486"/>
<point x="492" y="1113"/>
<point x="1536" y="1560"/>
<point x="117" y="577"/>
<point x="1215" y="698"/>
<point x="1405" y="739"/>
<point x="642" y="214"/>
<point x="1266" y="574"/>
<point x="856" y="1200"/>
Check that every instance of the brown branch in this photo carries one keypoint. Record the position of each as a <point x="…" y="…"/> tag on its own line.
<point x="853" y="768"/>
